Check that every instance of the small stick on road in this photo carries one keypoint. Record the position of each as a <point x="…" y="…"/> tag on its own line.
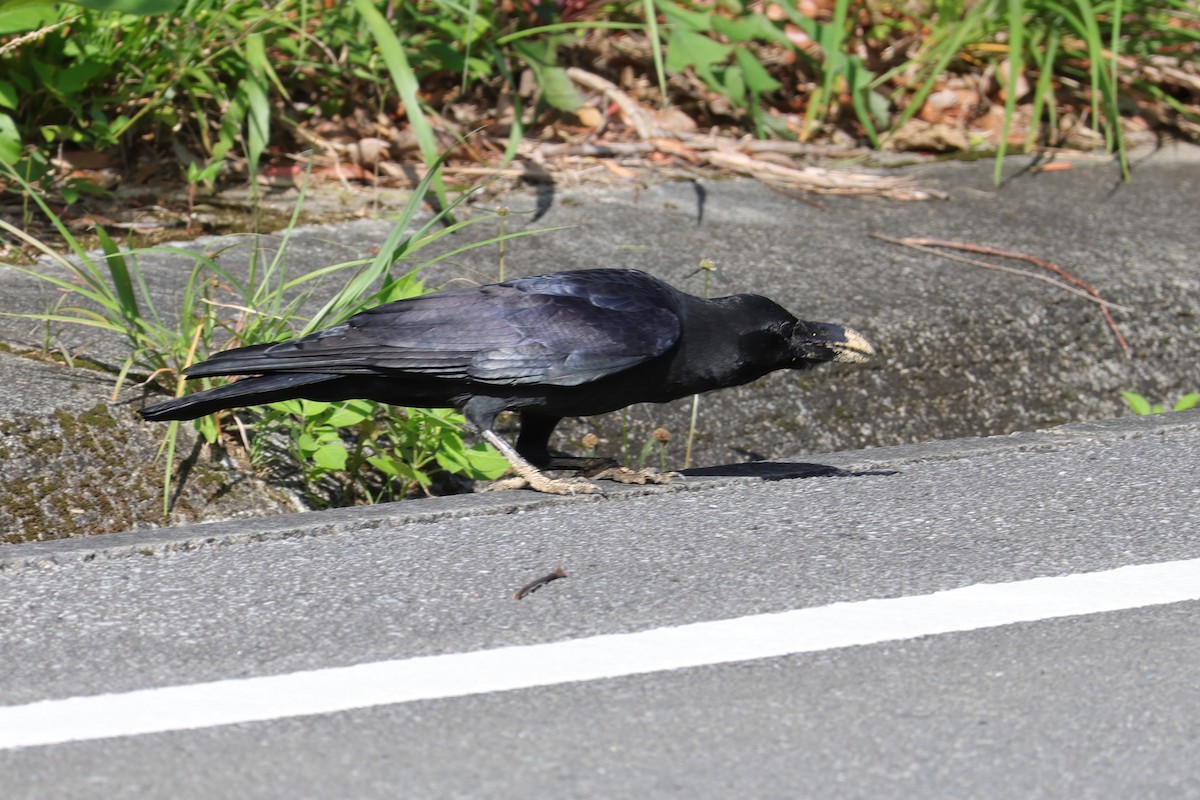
<point x="532" y="587"/>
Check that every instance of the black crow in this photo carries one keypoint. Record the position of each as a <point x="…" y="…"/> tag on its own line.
<point x="551" y="346"/>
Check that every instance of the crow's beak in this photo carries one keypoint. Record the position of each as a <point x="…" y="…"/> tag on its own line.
<point x="822" y="341"/>
<point x="853" y="347"/>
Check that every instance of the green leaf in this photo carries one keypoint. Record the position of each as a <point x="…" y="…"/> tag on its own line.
<point x="557" y="88"/>
<point x="691" y="49"/>
<point x="10" y="140"/>
<point x="288" y="407"/>
<point x="1140" y="405"/>
<point x="8" y="95"/>
<point x="420" y="476"/>
<point x="751" y="28"/>
<point x="682" y="18"/>
<point x="20" y="17"/>
<point x="406" y="286"/>
<point x="139" y="7"/>
<point x="208" y="428"/>
<point x="388" y="465"/>
<point x="198" y="173"/>
<point x="351" y="413"/>
<point x="75" y="78"/>
<point x="331" y="456"/>
<point x="758" y="80"/>
<point x="647" y="449"/>
<point x="258" y="103"/>
<point x="879" y="108"/>
<point x="443" y="420"/>
<point x="313" y="408"/>
<point x="1188" y="401"/>
<point x="452" y="454"/>
<point x="307" y="444"/>
<point x="733" y="85"/>
<point x="485" y="462"/>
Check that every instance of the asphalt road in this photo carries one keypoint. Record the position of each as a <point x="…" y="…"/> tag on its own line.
<point x="1089" y="705"/>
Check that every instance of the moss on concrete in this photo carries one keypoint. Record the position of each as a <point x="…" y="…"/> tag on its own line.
<point x="88" y="472"/>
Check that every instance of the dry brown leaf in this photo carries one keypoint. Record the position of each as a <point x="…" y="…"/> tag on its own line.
<point x="618" y="170"/>
<point x="917" y="135"/>
<point x="675" y="147"/>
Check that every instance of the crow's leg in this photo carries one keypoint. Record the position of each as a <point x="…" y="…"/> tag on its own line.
<point x="481" y="415"/>
<point x="529" y="476"/>
<point x="534" y="444"/>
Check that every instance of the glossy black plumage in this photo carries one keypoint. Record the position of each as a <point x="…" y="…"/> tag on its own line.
<point x="549" y="346"/>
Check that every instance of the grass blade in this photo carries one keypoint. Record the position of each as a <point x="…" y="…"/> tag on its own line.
<point x="118" y="270"/>
<point x="405" y="81"/>
<point x="1016" y="51"/>
<point x="656" y="48"/>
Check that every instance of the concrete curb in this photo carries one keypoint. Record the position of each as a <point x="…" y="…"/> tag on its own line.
<point x="151" y="542"/>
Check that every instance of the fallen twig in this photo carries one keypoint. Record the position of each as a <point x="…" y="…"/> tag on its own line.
<point x="727" y="154"/>
<point x="1068" y="281"/>
<point x="817" y="179"/>
<point x="533" y="586"/>
<point x="641" y="120"/>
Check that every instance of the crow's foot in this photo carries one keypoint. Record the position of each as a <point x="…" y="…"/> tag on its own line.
<point x="637" y="476"/>
<point x="541" y="483"/>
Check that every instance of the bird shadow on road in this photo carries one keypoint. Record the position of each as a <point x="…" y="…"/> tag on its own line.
<point x="779" y="471"/>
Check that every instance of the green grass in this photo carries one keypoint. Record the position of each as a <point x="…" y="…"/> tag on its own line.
<point x="233" y="81"/>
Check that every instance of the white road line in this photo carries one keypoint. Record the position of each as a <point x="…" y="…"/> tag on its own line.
<point x="806" y="630"/>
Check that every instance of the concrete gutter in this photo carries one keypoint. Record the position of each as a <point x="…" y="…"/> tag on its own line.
<point x="445" y="510"/>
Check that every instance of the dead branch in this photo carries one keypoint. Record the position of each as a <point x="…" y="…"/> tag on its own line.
<point x="819" y="180"/>
<point x="1067" y="283"/>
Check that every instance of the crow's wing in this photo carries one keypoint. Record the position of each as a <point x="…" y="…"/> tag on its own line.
<point x="562" y="329"/>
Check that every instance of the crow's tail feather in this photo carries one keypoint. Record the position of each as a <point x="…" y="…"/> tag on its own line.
<point x="246" y="392"/>
<point x="239" y="361"/>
